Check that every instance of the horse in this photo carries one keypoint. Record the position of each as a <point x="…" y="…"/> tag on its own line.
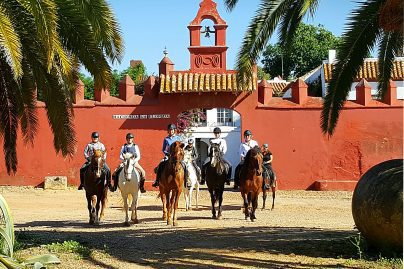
<point x="268" y="181"/>
<point x="128" y="184"/>
<point x="194" y="184"/>
<point x="172" y="182"/>
<point x="251" y="181"/>
<point x="216" y="175"/>
<point x="95" y="184"/>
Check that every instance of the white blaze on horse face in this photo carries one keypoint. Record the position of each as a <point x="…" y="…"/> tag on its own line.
<point x="129" y="165"/>
<point x="99" y="162"/>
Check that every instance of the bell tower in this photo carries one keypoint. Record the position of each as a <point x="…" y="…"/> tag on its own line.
<point x="206" y="59"/>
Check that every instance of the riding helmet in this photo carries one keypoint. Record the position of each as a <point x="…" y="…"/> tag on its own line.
<point x="95" y="135"/>
<point x="129" y="135"/>
<point x="247" y="132"/>
<point x="190" y="141"/>
<point x="171" y="126"/>
<point x="217" y="130"/>
<point x="265" y="145"/>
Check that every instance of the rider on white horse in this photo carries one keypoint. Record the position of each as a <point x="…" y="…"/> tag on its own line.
<point x="194" y="155"/>
<point x="130" y="147"/>
<point x="95" y="144"/>
<point x="223" y="148"/>
<point x="245" y="146"/>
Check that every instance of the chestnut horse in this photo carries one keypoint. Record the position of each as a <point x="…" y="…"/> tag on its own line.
<point x="216" y="175"/>
<point x="172" y="182"/>
<point x="251" y="181"/>
<point x="95" y="184"/>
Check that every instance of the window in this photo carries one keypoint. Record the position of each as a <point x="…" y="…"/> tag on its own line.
<point x="224" y="117"/>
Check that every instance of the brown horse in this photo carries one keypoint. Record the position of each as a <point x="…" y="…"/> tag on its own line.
<point x="95" y="184"/>
<point x="216" y="175"/>
<point x="269" y="181"/>
<point x="172" y="181"/>
<point x="251" y="181"/>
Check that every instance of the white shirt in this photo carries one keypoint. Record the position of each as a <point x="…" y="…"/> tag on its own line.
<point x="245" y="147"/>
<point x="89" y="150"/>
<point x="223" y="144"/>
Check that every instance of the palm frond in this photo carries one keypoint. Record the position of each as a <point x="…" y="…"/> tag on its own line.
<point x="259" y="31"/>
<point x="10" y="43"/>
<point x="390" y="45"/>
<point x="105" y="27"/>
<point x="8" y="116"/>
<point x="230" y="4"/>
<point x="359" y="38"/>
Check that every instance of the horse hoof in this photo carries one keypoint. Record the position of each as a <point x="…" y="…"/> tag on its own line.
<point x="219" y="217"/>
<point x="91" y="222"/>
<point x="169" y="222"/>
<point x="213" y="216"/>
<point x="175" y="223"/>
<point x="135" y="221"/>
<point x="96" y="223"/>
<point x="164" y="218"/>
<point x="126" y="224"/>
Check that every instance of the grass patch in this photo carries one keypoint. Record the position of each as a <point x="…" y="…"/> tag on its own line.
<point x="70" y="247"/>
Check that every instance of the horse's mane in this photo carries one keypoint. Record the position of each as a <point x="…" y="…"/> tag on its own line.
<point x="98" y="153"/>
<point x="252" y="152"/>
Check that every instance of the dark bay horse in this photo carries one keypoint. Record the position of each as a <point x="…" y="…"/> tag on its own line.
<point x="95" y="184"/>
<point x="251" y="181"/>
<point x="269" y="182"/>
<point x="172" y="182"/>
<point x="216" y="175"/>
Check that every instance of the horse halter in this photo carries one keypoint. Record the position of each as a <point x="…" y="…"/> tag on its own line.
<point x="127" y="163"/>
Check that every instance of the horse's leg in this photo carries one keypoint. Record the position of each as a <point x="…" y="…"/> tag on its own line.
<point x="213" y="201"/>
<point x="135" y="197"/>
<point x="197" y="193"/>
<point x="163" y="200"/>
<point x="125" y="208"/>
<point x="254" y="200"/>
<point x="90" y="209"/>
<point x="97" y="210"/>
<point x="186" y="194"/>
<point x="273" y="197"/>
<point x="104" y="203"/>
<point x="170" y="208"/>
<point x="220" y="194"/>
<point x="246" y="212"/>
<point x="190" y="197"/>
<point x="177" y="197"/>
<point x="264" y="197"/>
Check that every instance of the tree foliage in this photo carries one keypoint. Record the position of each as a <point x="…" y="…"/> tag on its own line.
<point x="309" y="47"/>
<point x="42" y="45"/>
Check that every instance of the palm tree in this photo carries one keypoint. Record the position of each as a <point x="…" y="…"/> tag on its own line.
<point x="373" y="23"/>
<point x="42" y="45"/>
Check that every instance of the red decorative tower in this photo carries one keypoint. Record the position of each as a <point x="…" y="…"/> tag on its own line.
<point x="212" y="58"/>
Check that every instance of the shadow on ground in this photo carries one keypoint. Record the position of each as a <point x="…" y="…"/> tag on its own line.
<point x="189" y="248"/>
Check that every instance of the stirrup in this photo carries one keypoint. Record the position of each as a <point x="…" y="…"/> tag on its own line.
<point x="80" y="187"/>
<point x="155" y="183"/>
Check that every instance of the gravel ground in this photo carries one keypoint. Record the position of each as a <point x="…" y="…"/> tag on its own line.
<point x="305" y="230"/>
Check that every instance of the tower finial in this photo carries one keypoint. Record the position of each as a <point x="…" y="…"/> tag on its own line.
<point x="165" y="52"/>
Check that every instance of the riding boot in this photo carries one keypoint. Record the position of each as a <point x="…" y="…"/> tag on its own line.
<point x="141" y="184"/>
<point x="81" y="180"/>
<point x="203" y="175"/>
<point x="158" y="175"/>
<point x="108" y="177"/>
<point x="228" y="175"/>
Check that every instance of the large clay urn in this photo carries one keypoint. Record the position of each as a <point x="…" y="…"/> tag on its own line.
<point x="377" y="206"/>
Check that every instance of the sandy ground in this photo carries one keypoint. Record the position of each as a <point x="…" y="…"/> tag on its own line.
<point x="305" y="230"/>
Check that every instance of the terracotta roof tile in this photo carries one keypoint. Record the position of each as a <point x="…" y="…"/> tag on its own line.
<point x="369" y="71"/>
<point x="197" y="82"/>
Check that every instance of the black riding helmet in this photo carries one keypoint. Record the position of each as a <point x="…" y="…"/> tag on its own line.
<point x="129" y="135"/>
<point x="171" y="126"/>
<point x="95" y="135"/>
<point x="217" y="130"/>
<point x="247" y="132"/>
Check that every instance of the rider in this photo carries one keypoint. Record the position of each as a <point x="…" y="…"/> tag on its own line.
<point x="223" y="148"/>
<point x="245" y="146"/>
<point x="194" y="155"/>
<point x="269" y="173"/>
<point x="95" y="144"/>
<point x="168" y="140"/>
<point x="130" y="147"/>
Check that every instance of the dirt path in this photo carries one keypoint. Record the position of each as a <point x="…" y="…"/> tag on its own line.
<point x="306" y="230"/>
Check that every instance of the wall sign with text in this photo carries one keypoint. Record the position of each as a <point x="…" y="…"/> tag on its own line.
<point x="141" y="117"/>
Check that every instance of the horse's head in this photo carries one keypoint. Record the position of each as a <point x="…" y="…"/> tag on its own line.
<point x="128" y="165"/>
<point x="254" y="159"/>
<point x="187" y="156"/>
<point x="176" y="153"/>
<point x="215" y="154"/>
<point x="97" y="162"/>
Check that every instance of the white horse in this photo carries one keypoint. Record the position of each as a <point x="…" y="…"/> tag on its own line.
<point x="193" y="178"/>
<point x="129" y="186"/>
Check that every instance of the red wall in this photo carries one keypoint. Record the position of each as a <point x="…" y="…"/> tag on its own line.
<point x="365" y="136"/>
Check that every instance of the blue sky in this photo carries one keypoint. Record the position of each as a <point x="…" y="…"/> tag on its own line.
<point x="149" y="26"/>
